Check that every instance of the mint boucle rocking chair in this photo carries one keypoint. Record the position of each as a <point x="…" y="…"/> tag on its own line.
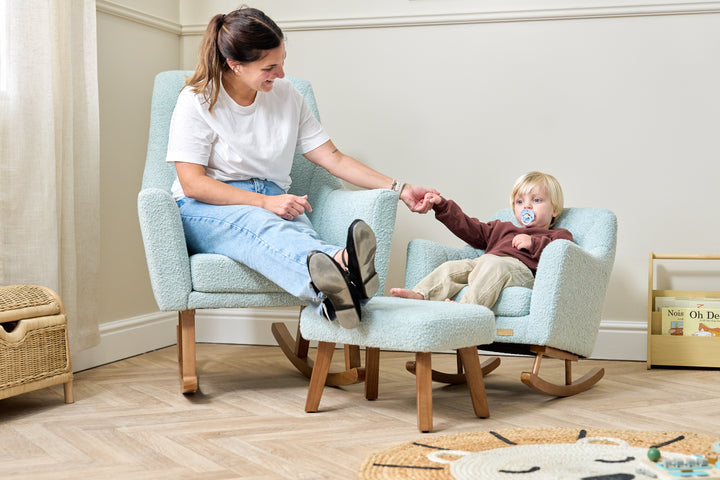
<point x="184" y="282"/>
<point x="560" y="316"/>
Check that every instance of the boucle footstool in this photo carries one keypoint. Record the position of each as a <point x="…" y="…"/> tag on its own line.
<point x="400" y="324"/>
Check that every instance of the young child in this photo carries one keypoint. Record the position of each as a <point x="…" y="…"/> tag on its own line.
<point x="511" y="252"/>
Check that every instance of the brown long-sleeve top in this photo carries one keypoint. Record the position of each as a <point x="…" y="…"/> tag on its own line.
<point x="496" y="237"/>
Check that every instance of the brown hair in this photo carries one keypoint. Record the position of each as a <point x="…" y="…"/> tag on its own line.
<point x="243" y="35"/>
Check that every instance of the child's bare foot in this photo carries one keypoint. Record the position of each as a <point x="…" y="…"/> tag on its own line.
<point x="450" y="300"/>
<point x="406" y="293"/>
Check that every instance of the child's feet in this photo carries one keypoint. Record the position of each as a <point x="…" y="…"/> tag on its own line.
<point x="406" y="293"/>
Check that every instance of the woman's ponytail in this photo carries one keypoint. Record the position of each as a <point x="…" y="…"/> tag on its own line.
<point x="211" y="63"/>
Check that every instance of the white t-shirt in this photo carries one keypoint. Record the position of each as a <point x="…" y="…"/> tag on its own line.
<point x="240" y="143"/>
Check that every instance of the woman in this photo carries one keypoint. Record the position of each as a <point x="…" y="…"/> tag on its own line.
<point x="233" y="135"/>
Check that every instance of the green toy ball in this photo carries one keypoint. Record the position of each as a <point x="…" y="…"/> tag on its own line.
<point x="653" y="454"/>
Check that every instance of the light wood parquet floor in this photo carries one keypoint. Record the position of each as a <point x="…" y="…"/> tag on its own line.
<point x="129" y="420"/>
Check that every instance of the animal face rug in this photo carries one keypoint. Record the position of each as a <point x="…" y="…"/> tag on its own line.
<point x="549" y="454"/>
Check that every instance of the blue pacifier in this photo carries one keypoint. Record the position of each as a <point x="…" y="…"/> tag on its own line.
<point x="527" y="216"/>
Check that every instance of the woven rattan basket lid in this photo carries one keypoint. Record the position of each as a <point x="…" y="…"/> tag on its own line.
<point x="27" y="301"/>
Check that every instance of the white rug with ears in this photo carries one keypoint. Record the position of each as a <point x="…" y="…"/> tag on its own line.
<point x="548" y="454"/>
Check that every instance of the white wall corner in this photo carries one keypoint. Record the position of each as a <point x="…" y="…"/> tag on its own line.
<point x="127" y="338"/>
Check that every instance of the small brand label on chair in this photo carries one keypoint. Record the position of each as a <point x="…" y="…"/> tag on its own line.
<point x="504" y="332"/>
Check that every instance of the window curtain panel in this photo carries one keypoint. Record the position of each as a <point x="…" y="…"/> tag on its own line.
<point x="49" y="149"/>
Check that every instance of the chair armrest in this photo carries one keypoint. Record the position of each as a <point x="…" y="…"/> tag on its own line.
<point x="334" y="211"/>
<point x="424" y="256"/>
<point x="568" y="296"/>
<point x="165" y="248"/>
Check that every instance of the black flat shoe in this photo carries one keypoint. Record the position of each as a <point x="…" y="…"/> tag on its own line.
<point x="361" y="246"/>
<point x="327" y="277"/>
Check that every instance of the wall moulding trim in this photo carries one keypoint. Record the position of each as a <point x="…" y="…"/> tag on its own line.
<point x="136" y="16"/>
<point x="579" y="13"/>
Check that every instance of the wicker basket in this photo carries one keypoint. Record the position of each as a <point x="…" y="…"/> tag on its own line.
<point x="34" y="351"/>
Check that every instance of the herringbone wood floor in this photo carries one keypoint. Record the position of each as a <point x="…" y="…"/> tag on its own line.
<point x="129" y="420"/>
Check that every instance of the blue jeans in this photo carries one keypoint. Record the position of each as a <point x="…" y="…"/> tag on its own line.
<point x="275" y="247"/>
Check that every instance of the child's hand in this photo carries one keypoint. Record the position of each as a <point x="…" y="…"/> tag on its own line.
<point x="522" y="241"/>
<point x="415" y="197"/>
<point x="432" y="198"/>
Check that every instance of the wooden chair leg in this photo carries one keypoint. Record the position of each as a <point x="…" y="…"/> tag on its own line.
<point x="301" y="345"/>
<point x="319" y="375"/>
<point x="423" y="383"/>
<point x="474" y="375"/>
<point x="186" y="351"/>
<point x="372" y="372"/>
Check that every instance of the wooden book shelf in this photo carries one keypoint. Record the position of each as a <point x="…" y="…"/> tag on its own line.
<point x="671" y="350"/>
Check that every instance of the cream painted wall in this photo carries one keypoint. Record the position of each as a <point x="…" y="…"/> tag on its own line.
<point x="622" y="109"/>
<point x="129" y="56"/>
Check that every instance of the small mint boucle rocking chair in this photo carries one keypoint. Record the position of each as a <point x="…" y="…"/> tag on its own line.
<point x="184" y="282"/>
<point x="560" y="316"/>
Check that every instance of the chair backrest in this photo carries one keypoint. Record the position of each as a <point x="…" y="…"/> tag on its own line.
<point x="593" y="229"/>
<point x="306" y="176"/>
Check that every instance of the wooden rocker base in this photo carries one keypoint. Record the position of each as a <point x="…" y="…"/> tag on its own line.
<point x="533" y="380"/>
<point x="296" y="350"/>
<point x="457" y="378"/>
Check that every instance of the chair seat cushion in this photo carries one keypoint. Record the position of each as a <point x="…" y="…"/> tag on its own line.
<point x="212" y="273"/>
<point x="512" y="302"/>
<point x="401" y="324"/>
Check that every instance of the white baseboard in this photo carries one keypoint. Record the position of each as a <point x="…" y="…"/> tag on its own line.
<point x="617" y="340"/>
<point x="621" y="340"/>
<point x="127" y="338"/>
<point x="130" y="337"/>
<point x="244" y="326"/>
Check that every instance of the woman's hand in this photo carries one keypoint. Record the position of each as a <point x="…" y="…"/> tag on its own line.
<point x="286" y="206"/>
<point x="196" y="184"/>
<point x="419" y="199"/>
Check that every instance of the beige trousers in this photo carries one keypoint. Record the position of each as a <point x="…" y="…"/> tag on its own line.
<point x="485" y="277"/>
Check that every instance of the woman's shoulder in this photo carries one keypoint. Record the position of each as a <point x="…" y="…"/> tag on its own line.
<point x="188" y="96"/>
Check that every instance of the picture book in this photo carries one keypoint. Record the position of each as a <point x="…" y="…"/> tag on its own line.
<point x="672" y="320"/>
<point x="701" y="322"/>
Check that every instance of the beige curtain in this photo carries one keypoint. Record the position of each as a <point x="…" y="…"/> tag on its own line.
<point x="49" y="149"/>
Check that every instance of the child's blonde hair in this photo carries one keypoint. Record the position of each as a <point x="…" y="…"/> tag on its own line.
<point x="531" y="180"/>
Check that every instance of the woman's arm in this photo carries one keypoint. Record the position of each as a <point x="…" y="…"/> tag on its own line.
<point x="197" y="185"/>
<point x="360" y="175"/>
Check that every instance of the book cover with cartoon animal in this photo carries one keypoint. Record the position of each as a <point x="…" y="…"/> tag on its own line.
<point x="702" y="322"/>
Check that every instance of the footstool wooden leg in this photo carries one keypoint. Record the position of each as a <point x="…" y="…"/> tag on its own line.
<point x="319" y="375"/>
<point x="352" y="356"/>
<point x="372" y="372"/>
<point x="476" y="384"/>
<point x="423" y="382"/>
